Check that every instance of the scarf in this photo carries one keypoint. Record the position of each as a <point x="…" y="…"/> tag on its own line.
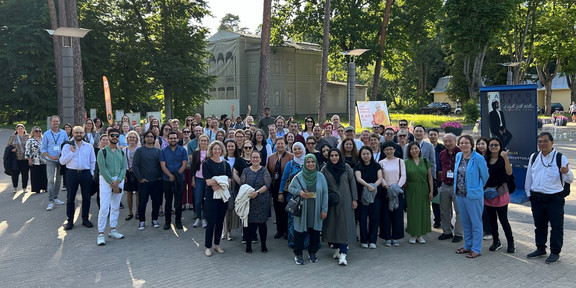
<point x="336" y="169"/>
<point x="299" y="160"/>
<point x="309" y="176"/>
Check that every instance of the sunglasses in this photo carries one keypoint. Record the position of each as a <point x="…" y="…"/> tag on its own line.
<point x="114" y="135"/>
<point x="401" y="135"/>
<point x="248" y="147"/>
<point x="37" y="131"/>
<point x="167" y="129"/>
<point x="185" y="131"/>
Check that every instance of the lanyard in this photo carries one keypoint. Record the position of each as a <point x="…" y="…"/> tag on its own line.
<point x="55" y="139"/>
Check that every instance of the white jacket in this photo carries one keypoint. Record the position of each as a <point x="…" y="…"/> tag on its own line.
<point x="242" y="203"/>
<point x="223" y="192"/>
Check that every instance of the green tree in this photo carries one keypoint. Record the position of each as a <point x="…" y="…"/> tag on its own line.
<point x="28" y="83"/>
<point x="231" y="22"/>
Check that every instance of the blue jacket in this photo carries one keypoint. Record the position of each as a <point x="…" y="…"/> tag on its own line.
<point x="476" y="175"/>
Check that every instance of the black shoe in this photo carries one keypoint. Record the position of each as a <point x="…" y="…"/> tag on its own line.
<point x="313" y="258"/>
<point x="537" y="254"/>
<point x="299" y="260"/>
<point x="179" y="226"/>
<point x="167" y="226"/>
<point x="445" y="236"/>
<point x="286" y="236"/>
<point x="278" y="235"/>
<point x="69" y="225"/>
<point x="552" y="259"/>
<point x="511" y="248"/>
<point x="496" y="245"/>
<point x="456" y="239"/>
<point x="121" y="205"/>
<point x="264" y="249"/>
<point x="87" y="223"/>
<point x="436" y="225"/>
<point x="249" y="250"/>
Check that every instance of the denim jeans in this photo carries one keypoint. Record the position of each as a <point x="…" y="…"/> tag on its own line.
<point x="54" y="179"/>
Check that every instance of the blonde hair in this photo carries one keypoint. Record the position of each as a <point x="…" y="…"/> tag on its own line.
<point x="211" y="147"/>
<point x="135" y="134"/>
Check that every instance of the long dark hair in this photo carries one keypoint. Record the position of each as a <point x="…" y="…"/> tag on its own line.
<point x="489" y="153"/>
<point x="236" y="152"/>
<point x="354" y="150"/>
<point x="264" y="142"/>
<point x="413" y="143"/>
<point x="371" y="156"/>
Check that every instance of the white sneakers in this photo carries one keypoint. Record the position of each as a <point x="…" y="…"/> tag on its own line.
<point x="342" y="260"/>
<point x="372" y="246"/>
<point x="101" y="241"/>
<point x="155" y="224"/>
<point x="388" y="243"/>
<point x="364" y="245"/>
<point x="142" y="226"/>
<point x="396" y="243"/>
<point x="204" y="223"/>
<point x="115" y="234"/>
<point x="412" y="240"/>
<point x="24" y="190"/>
<point x="336" y="254"/>
<point x="196" y="223"/>
<point x="50" y="206"/>
<point x="420" y="240"/>
<point x="58" y="202"/>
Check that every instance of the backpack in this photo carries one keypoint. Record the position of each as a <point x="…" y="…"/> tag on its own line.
<point x="566" y="185"/>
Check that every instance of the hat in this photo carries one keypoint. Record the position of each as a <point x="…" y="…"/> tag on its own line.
<point x="349" y="128"/>
<point x="478" y="120"/>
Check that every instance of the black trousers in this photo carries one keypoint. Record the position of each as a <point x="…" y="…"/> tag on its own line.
<point x="38" y="178"/>
<point x="262" y="230"/>
<point x="279" y="210"/>
<point x="153" y="190"/>
<point x="392" y="222"/>
<point x="215" y="212"/>
<point x="548" y="208"/>
<point x="73" y="180"/>
<point x="299" y="241"/>
<point x="495" y="213"/>
<point x="23" y="169"/>
<point x="173" y="198"/>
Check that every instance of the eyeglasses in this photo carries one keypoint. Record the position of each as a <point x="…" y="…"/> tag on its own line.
<point x="494" y="145"/>
<point x="401" y="135"/>
<point x="389" y="134"/>
<point x="311" y="143"/>
<point x="114" y="135"/>
<point x="37" y="131"/>
<point x="185" y="131"/>
<point x="247" y="147"/>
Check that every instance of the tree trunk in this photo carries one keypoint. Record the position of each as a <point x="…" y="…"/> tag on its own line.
<point x="168" y="98"/>
<point x="476" y="80"/>
<point x="571" y="79"/>
<point x="546" y="76"/>
<point x="378" y="66"/>
<point x="324" y="80"/>
<point x="56" y="42"/>
<point x="264" y="59"/>
<point x="79" y="110"/>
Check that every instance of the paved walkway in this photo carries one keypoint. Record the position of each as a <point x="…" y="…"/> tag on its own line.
<point x="35" y="251"/>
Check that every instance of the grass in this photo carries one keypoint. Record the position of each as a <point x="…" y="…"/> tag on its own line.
<point x="426" y="120"/>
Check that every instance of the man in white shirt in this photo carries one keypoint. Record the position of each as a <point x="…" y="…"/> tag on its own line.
<point x="544" y="187"/>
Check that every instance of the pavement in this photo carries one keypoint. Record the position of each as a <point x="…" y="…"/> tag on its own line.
<point x="36" y="251"/>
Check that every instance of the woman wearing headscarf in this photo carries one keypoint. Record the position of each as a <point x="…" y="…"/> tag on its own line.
<point x="311" y="186"/>
<point x="292" y="168"/>
<point x="339" y="228"/>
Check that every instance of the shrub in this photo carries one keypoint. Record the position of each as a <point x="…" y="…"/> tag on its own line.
<point x="470" y="111"/>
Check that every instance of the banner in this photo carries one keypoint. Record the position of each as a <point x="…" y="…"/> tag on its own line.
<point x="509" y="113"/>
<point x="372" y="113"/>
<point x="108" y="101"/>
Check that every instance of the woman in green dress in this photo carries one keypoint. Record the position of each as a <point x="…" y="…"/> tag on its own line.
<point x="419" y="193"/>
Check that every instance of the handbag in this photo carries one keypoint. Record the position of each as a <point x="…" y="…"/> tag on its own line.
<point x="502" y="189"/>
<point x="400" y="174"/>
<point x="490" y="193"/>
<point x="333" y="198"/>
<point x="294" y="206"/>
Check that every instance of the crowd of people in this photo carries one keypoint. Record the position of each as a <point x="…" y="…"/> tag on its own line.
<point x="233" y="171"/>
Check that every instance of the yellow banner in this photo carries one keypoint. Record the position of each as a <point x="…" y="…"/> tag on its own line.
<point x="108" y="101"/>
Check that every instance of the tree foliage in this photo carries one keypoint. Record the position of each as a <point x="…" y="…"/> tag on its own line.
<point x="231" y="22"/>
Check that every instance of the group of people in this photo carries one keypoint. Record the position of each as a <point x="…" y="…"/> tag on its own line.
<point x="232" y="172"/>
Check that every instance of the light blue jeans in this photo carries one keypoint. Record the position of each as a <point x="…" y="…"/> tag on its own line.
<point x="54" y="179"/>
<point x="199" y="192"/>
<point x="471" y="217"/>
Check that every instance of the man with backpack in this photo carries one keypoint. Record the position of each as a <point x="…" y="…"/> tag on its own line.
<point x="547" y="183"/>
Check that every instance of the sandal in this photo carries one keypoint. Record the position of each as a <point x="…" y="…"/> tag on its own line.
<point x="473" y="254"/>
<point x="462" y="251"/>
<point x="130" y="216"/>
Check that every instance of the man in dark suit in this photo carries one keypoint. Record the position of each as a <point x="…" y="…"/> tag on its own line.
<point x="498" y="124"/>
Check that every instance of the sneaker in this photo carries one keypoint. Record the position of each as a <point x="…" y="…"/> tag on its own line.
<point x="487" y="237"/>
<point x="372" y="246"/>
<point x="24" y="190"/>
<point x="456" y="239"/>
<point x="196" y="223"/>
<point x="445" y="236"/>
<point x="204" y="223"/>
<point x="552" y="259"/>
<point x="50" y="206"/>
<point x="388" y="243"/>
<point x="155" y="224"/>
<point x="313" y="258"/>
<point x="299" y="260"/>
<point x="15" y="189"/>
<point x="58" y="202"/>
<point x="336" y="254"/>
<point x="342" y="261"/>
<point x="115" y="234"/>
<point x="537" y="254"/>
<point x="142" y="226"/>
<point x="101" y="241"/>
<point x="364" y="245"/>
<point x="63" y="188"/>
<point x="421" y="240"/>
<point x="511" y="248"/>
<point x="396" y="243"/>
<point x="412" y="240"/>
<point x="495" y="246"/>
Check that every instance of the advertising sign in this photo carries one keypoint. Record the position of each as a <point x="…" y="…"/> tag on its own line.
<point x="372" y="113"/>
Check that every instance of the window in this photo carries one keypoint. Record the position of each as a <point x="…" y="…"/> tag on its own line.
<point x="290" y="98"/>
<point x="289" y="66"/>
<point x="253" y="69"/>
<point x="276" y="66"/>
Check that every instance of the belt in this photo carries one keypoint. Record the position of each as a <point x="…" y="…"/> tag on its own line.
<point x="78" y="170"/>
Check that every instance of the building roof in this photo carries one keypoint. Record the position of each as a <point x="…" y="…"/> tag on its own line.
<point x="338" y="83"/>
<point x="442" y="84"/>
<point x="227" y="35"/>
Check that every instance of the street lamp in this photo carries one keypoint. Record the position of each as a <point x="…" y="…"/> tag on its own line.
<point x="509" y="73"/>
<point x="351" y="83"/>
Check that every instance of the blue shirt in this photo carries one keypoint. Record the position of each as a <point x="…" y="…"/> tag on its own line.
<point x="173" y="160"/>
<point x="81" y="159"/>
<point x="192" y="145"/>
<point x="51" y="143"/>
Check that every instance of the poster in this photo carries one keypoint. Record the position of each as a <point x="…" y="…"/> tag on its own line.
<point x="372" y="113"/>
<point x="509" y="113"/>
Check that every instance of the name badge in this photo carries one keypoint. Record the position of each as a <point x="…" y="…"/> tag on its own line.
<point x="56" y="148"/>
<point x="450" y="174"/>
<point x="311" y="194"/>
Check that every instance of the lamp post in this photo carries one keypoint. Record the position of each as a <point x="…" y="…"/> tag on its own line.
<point x="509" y="74"/>
<point x="68" y="70"/>
<point x="351" y="83"/>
